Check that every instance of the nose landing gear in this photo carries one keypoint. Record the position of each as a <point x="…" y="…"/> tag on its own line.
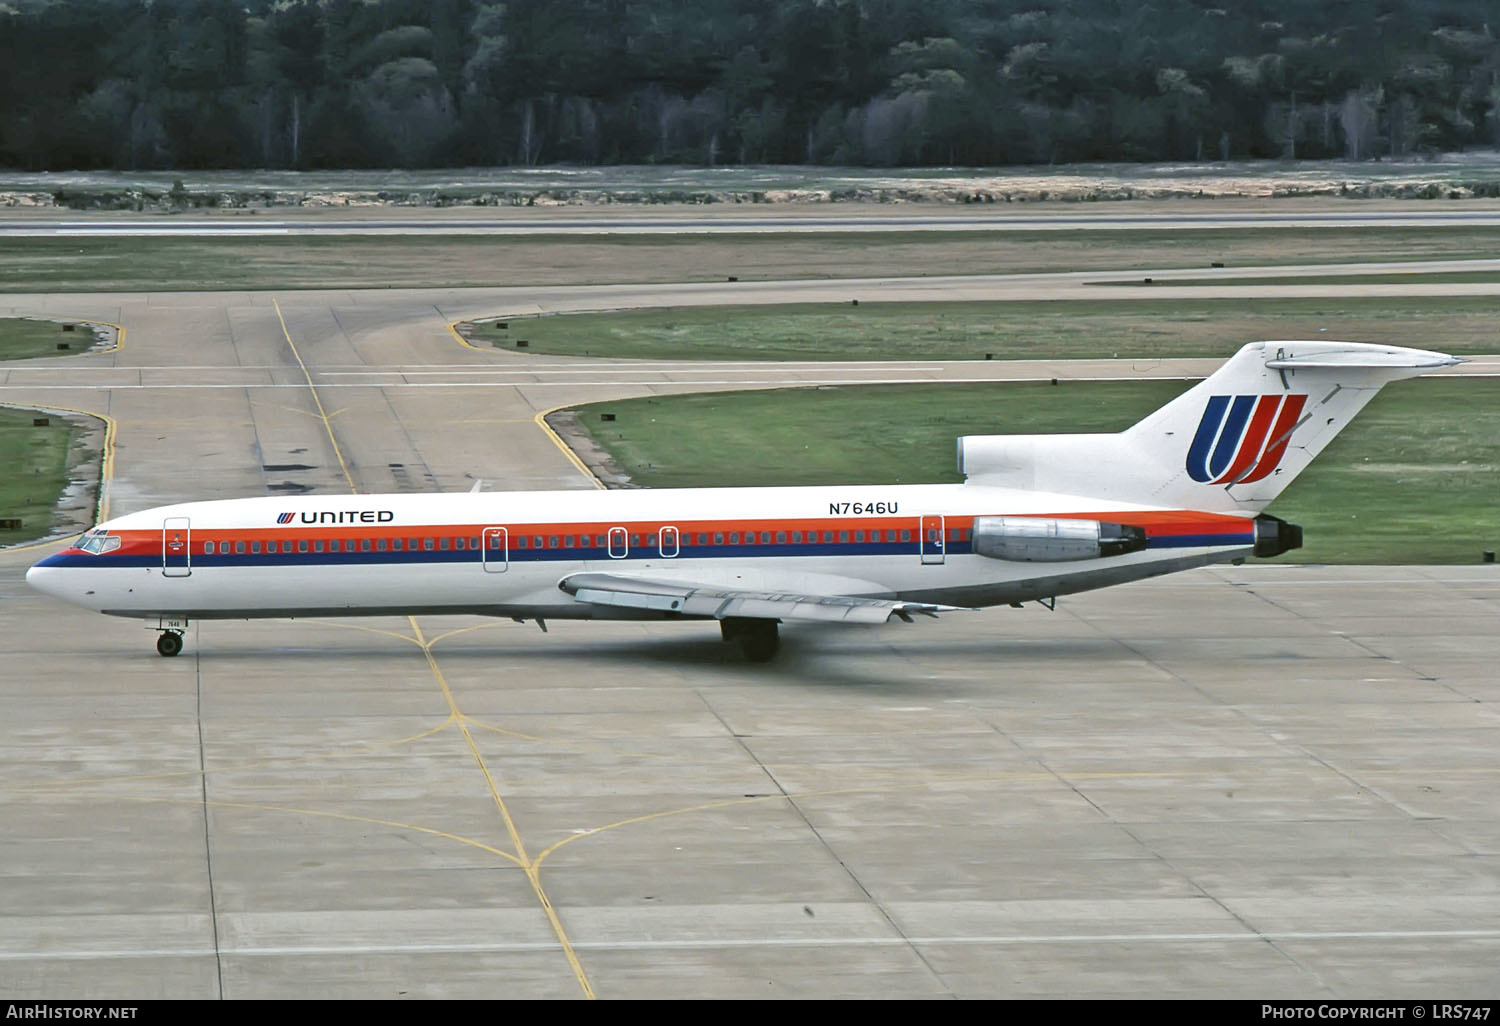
<point x="170" y="630"/>
<point x="169" y="643"/>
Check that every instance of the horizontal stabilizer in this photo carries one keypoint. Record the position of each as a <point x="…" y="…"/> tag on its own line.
<point x="1373" y="358"/>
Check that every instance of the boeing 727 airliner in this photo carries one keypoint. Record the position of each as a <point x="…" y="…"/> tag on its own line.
<point x="1037" y="516"/>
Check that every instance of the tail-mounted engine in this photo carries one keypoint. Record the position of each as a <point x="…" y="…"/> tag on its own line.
<point x="1273" y="536"/>
<point x="1050" y="540"/>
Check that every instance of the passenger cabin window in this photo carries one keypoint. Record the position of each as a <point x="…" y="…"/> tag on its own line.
<point x="208" y="548"/>
<point x="239" y="548"/>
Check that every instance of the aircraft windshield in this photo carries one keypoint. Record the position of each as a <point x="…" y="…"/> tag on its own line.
<point x="97" y="542"/>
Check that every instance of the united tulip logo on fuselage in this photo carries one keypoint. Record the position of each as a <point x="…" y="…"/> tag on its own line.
<point x="361" y="516"/>
<point x="1242" y="438"/>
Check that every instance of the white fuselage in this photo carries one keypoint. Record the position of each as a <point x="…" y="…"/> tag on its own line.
<point x="500" y="553"/>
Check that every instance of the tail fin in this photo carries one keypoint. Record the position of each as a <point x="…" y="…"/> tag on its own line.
<point x="1230" y="443"/>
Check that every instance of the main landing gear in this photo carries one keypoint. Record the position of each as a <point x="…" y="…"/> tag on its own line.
<point x="757" y="639"/>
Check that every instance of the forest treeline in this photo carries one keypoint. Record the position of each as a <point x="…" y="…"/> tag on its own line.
<point x="128" y="84"/>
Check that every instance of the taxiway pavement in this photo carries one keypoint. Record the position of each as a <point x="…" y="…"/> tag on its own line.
<point x="1239" y="782"/>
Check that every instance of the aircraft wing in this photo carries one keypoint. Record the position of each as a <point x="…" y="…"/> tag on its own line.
<point x="711" y="600"/>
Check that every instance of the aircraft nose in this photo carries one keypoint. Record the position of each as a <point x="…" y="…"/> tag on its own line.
<point x="44" y="577"/>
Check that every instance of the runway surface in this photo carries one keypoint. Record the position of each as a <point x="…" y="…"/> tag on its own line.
<point x="728" y="220"/>
<point x="1240" y="782"/>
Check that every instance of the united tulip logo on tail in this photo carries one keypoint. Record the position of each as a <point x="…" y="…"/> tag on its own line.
<point x="1242" y="438"/>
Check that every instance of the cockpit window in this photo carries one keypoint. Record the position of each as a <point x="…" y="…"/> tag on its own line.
<point x="96" y="542"/>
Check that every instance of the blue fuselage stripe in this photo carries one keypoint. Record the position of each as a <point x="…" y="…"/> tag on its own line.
<point x="910" y="550"/>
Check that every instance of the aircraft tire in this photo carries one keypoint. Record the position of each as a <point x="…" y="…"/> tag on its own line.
<point x="168" y="643"/>
<point x="758" y="640"/>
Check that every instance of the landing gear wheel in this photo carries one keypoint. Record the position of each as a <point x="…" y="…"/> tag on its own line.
<point x="758" y="640"/>
<point x="169" y="643"/>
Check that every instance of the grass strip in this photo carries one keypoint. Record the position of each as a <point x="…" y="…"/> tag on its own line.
<point x="22" y="338"/>
<point x="33" y="471"/>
